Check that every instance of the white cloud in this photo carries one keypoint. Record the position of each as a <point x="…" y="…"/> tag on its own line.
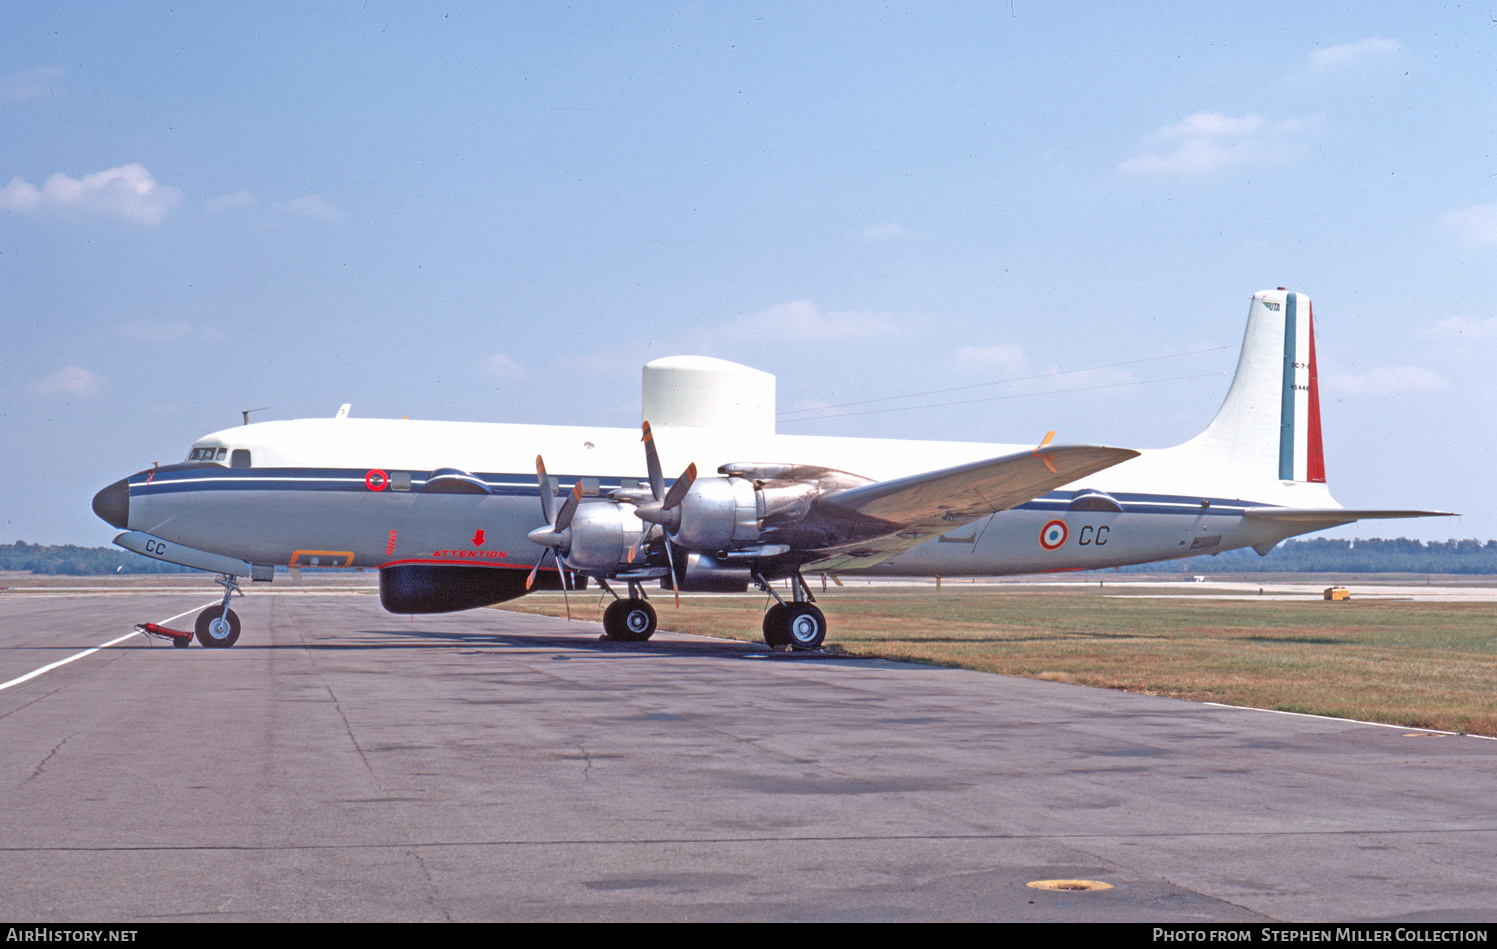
<point x="30" y="84"/>
<point x="1099" y="379"/>
<point x="1004" y="358"/>
<point x="804" y="320"/>
<point x="1477" y="223"/>
<point x="1461" y="329"/>
<point x="70" y="380"/>
<point x="1386" y="380"/>
<point x="227" y="202"/>
<point x="1346" y="53"/>
<point x="313" y="206"/>
<point x="504" y="367"/>
<point x="815" y="409"/>
<point x="128" y="193"/>
<point x="887" y="232"/>
<point x="1207" y="141"/>
<point x="620" y="362"/>
<point x="146" y="331"/>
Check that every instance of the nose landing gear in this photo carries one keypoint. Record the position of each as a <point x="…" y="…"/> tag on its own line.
<point x="218" y="626"/>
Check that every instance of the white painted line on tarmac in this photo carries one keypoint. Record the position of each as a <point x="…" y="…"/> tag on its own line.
<point x="89" y="652"/>
<point x="1350" y="721"/>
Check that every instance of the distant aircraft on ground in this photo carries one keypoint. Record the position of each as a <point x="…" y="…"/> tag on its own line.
<point x="452" y="517"/>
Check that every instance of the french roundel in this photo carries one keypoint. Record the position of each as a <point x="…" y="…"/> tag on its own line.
<point x="1053" y="535"/>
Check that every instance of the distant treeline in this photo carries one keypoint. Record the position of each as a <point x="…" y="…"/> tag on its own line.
<point x="1331" y="555"/>
<point x="74" y="561"/>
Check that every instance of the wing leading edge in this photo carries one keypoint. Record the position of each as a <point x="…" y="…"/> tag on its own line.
<point x="889" y="517"/>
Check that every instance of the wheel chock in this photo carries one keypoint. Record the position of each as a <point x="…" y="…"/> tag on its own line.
<point x="177" y="637"/>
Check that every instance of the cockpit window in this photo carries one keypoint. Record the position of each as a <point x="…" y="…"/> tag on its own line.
<point x="208" y="453"/>
<point x="240" y="458"/>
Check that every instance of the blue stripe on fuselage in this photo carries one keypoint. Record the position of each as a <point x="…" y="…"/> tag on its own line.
<point x="332" y="479"/>
<point x="519" y="485"/>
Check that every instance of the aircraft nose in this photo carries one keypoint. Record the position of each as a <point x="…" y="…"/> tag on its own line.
<point x="113" y="504"/>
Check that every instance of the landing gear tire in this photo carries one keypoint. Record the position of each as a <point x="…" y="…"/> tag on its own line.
<point x="776" y="633"/>
<point x="805" y="626"/>
<point x="181" y="642"/>
<point x="629" y="621"/>
<point x="217" y="628"/>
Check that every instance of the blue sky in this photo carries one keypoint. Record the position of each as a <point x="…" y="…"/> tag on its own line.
<point x="499" y="212"/>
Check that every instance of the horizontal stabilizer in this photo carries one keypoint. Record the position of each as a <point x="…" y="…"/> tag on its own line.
<point x="892" y="516"/>
<point x="1315" y="518"/>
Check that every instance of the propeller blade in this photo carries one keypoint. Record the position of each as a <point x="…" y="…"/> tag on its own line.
<point x="568" y="508"/>
<point x="682" y="485"/>
<point x="652" y="461"/>
<point x="675" y="584"/>
<point x="548" y="491"/>
<point x="564" y="586"/>
<point x="641" y="543"/>
<point x="530" y="580"/>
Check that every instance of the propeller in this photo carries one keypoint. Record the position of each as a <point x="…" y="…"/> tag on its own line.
<point x="553" y="536"/>
<point x="664" y="512"/>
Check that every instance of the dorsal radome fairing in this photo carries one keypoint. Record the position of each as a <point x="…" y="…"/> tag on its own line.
<point x="704" y="392"/>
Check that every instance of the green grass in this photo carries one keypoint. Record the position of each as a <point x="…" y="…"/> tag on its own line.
<point x="1427" y="665"/>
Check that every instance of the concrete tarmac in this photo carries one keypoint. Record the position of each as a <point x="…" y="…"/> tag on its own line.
<point x="341" y="763"/>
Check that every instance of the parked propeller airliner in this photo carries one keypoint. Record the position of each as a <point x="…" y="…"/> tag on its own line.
<point x="453" y="518"/>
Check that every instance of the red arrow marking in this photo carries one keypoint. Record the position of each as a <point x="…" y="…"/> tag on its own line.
<point x="478" y="539"/>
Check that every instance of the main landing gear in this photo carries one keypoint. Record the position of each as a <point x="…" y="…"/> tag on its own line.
<point x="631" y="619"/>
<point x="218" y="626"/>
<point x="799" y="624"/>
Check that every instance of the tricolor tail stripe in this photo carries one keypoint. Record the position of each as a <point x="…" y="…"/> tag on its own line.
<point x="1286" y="395"/>
<point x="1301" y="455"/>
<point x="1315" y="462"/>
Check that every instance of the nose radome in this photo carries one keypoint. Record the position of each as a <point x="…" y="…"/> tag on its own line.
<point x="113" y="504"/>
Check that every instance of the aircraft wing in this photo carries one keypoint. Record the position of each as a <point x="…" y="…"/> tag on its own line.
<point x="889" y="517"/>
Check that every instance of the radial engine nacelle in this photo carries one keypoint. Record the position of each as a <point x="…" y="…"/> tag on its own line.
<point x="743" y="512"/>
<point x="597" y="539"/>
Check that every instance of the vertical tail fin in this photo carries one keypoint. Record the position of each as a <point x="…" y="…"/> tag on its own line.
<point x="1269" y="426"/>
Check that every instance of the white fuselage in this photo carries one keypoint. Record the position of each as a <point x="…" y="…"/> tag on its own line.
<point x="328" y="492"/>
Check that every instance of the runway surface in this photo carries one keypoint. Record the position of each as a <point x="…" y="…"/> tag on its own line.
<point x="341" y="763"/>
